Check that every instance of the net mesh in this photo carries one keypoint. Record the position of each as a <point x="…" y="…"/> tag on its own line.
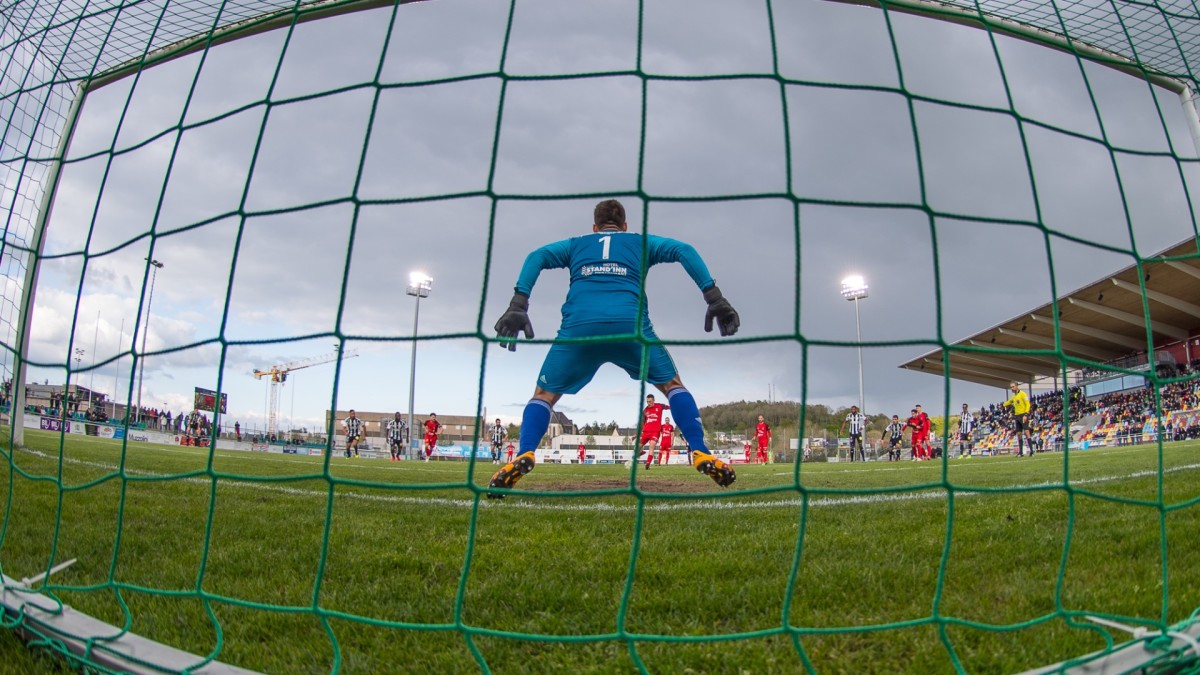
<point x="52" y="51"/>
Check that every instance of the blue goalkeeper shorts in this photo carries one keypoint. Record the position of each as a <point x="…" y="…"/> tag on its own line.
<point x="569" y="367"/>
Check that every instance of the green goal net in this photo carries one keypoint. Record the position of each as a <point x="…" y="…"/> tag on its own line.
<point x="194" y="191"/>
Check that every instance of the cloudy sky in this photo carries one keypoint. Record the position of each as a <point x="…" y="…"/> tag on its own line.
<point x="289" y="198"/>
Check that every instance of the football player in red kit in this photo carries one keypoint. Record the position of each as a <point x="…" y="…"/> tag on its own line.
<point x="432" y="428"/>
<point x="652" y="417"/>
<point x="921" y="425"/>
<point x="664" y="442"/>
<point x="762" y="431"/>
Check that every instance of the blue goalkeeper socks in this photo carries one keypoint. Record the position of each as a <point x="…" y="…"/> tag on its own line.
<point x="534" y="423"/>
<point x="687" y="417"/>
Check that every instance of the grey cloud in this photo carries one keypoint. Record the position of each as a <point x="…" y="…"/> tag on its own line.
<point x="834" y="42"/>
<point x="556" y="37"/>
<point x="309" y="66"/>
<point x="209" y="173"/>
<point x="433" y="140"/>
<point x="433" y="40"/>
<point x="564" y="137"/>
<point x="947" y="61"/>
<point x="706" y="37"/>
<point x="729" y="133"/>
<point x="310" y="151"/>
<point x="852" y="145"/>
<point x="235" y="75"/>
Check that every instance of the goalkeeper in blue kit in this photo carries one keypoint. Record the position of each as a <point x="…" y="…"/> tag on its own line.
<point x="603" y="300"/>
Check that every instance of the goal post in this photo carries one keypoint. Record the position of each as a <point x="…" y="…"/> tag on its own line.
<point x="58" y="55"/>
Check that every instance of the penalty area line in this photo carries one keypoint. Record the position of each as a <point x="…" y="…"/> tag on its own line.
<point x="706" y="504"/>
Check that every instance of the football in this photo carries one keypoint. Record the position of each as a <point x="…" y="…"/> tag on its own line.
<point x="629" y="464"/>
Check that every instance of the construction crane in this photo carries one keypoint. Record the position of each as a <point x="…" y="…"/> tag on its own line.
<point x="279" y="373"/>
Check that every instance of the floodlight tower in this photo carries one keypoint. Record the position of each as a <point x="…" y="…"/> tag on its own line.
<point x="419" y="285"/>
<point x="155" y="267"/>
<point x="79" y="352"/>
<point x="854" y="288"/>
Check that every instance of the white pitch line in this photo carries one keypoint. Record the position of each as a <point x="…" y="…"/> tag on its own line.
<point x="704" y="504"/>
<point x="984" y="460"/>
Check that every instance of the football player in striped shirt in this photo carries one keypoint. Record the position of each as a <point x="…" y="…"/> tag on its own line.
<point x="354" y="433"/>
<point x="858" y="424"/>
<point x="395" y="433"/>
<point x="894" y="433"/>
<point x="499" y="435"/>
<point x="966" y="428"/>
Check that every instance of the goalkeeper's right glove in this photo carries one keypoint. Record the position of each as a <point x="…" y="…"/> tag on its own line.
<point x="720" y="309"/>
<point x="514" y="321"/>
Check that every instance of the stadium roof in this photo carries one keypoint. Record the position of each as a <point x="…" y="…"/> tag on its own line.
<point x="1099" y="323"/>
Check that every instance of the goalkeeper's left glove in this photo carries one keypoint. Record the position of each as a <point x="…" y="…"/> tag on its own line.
<point x="514" y="321"/>
<point x="720" y="309"/>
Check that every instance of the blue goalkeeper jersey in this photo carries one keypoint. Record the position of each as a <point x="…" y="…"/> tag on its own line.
<point x="606" y="273"/>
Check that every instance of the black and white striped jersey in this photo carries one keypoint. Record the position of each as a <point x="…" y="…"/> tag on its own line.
<point x="395" y="429"/>
<point x="966" y="423"/>
<point x="857" y="422"/>
<point x="353" y="425"/>
<point x="895" y="430"/>
<point x="498" y="433"/>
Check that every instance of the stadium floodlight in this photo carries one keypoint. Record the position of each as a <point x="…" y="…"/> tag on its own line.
<point x="92" y="376"/>
<point x="78" y="360"/>
<point x="155" y="266"/>
<point x="854" y="288"/>
<point x="419" y="285"/>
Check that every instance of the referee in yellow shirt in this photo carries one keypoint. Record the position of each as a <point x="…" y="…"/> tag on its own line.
<point x="1020" y="407"/>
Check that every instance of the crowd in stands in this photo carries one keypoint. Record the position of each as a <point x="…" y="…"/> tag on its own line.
<point x="1122" y="418"/>
<point x="195" y="428"/>
<point x="64" y="409"/>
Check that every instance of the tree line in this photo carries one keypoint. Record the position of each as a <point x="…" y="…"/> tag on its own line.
<point x="740" y="418"/>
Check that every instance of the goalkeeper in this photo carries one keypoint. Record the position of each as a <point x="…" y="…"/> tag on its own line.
<point x="603" y="300"/>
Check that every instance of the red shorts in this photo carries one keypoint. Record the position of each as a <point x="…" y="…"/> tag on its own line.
<point x="430" y="439"/>
<point x="648" y="436"/>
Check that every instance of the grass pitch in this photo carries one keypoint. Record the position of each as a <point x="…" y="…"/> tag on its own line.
<point x="311" y="565"/>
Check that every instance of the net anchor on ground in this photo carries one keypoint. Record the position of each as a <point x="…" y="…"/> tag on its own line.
<point x="1137" y="654"/>
<point x="29" y="582"/>
<point x="92" y="640"/>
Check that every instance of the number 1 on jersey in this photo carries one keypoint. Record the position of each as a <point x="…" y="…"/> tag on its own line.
<point x="606" y="242"/>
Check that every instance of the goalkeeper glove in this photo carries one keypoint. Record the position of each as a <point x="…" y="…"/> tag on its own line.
<point x="514" y="321"/>
<point x="720" y="309"/>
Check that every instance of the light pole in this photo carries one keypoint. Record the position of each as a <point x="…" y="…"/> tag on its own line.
<point x="95" y="347"/>
<point x="854" y="288"/>
<point x="419" y="285"/>
<point x="155" y="267"/>
<point x="78" y="359"/>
